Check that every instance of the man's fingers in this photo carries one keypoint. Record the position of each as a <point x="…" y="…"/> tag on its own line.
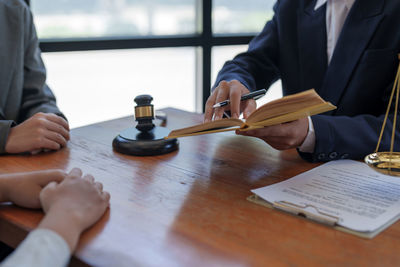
<point x="46" y="143"/>
<point x="234" y="97"/>
<point x="262" y="132"/>
<point x="213" y="99"/>
<point x="219" y="113"/>
<point x="57" y="119"/>
<point x="248" y="107"/>
<point x="280" y="131"/>
<point x="55" y="127"/>
<point x="222" y="95"/>
<point x="50" y="140"/>
<point x="209" y="112"/>
<point x="232" y="90"/>
<point x="56" y="137"/>
<point x="282" y="136"/>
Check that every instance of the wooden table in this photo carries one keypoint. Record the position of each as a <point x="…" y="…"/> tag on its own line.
<point x="189" y="208"/>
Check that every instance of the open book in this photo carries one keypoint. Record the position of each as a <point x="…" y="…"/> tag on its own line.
<point x="345" y="194"/>
<point x="285" y="109"/>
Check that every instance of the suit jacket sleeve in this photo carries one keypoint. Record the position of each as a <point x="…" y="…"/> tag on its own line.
<point x="354" y="137"/>
<point x="341" y="137"/>
<point x="37" y="96"/>
<point x="258" y="67"/>
<point x="5" y="126"/>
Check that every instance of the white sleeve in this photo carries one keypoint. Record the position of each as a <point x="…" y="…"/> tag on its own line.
<point x="43" y="248"/>
<point x="308" y="144"/>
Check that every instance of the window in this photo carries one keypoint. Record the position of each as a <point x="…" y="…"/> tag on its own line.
<point x="94" y="86"/>
<point x="106" y="18"/>
<point x="94" y="50"/>
<point x="238" y="16"/>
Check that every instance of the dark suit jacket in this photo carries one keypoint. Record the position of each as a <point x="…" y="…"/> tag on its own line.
<point x="359" y="79"/>
<point x="23" y="91"/>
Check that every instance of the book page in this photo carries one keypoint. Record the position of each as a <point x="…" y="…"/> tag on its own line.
<point x="363" y="199"/>
<point x="288" y="108"/>
<point x="292" y="116"/>
<point x="285" y="105"/>
<point x="208" y="126"/>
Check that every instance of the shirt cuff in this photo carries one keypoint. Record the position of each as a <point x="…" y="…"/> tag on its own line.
<point x="42" y="247"/>
<point x="308" y="144"/>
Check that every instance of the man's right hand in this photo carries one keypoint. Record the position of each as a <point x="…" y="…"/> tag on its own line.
<point x="41" y="131"/>
<point x="233" y="91"/>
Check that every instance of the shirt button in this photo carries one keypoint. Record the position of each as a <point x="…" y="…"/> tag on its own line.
<point x="333" y="155"/>
<point x="344" y="156"/>
<point x="321" y="156"/>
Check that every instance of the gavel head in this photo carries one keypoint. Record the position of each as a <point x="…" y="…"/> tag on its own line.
<point x="144" y="113"/>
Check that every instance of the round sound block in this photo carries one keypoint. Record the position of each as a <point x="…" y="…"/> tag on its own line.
<point x="133" y="142"/>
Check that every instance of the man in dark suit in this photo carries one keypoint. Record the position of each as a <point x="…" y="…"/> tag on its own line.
<point x="29" y="118"/>
<point x="346" y="50"/>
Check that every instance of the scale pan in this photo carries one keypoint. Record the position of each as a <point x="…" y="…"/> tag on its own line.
<point x="384" y="162"/>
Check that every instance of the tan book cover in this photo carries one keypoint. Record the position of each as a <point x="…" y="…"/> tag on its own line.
<point x="285" y="109"/>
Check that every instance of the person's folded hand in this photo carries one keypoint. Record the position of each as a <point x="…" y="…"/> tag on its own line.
<point x="43" y="131"/>
<point x="23" y="189"/>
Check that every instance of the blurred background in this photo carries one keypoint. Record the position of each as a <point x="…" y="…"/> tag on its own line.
<point x="100" y="54"/>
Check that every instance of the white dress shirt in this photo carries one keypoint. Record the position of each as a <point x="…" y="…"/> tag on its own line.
<point x="336" y="14"/>
<point x="43" y="248"/>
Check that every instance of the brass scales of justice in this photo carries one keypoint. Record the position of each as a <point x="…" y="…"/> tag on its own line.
<point x="387" y="162"/>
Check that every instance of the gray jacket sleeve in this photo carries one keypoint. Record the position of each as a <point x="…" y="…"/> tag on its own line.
<point x="22" y="72"/>
<point x="37" y="96"/>
<point x="5" y="126"/>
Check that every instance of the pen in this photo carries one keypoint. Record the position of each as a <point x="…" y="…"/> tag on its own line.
<point x="253" y="95"/>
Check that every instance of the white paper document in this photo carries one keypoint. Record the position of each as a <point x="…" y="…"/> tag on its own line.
<point x="347" y="193"/>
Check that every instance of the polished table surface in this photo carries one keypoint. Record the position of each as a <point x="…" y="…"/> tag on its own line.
<point x="189" y="208"/>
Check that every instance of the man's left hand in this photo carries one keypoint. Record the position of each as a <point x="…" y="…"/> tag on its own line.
<point x="283" y="136"/>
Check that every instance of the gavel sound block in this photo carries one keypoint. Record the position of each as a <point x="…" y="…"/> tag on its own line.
<point x="145" y="139"/>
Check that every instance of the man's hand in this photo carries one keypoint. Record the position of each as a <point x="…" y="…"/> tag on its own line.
<point x="23" y="189"/>
<point x="41" y="131"/>
<point x="73" y="205"/>
<point x="283" y="136"/>
<point x="233" y="91"/>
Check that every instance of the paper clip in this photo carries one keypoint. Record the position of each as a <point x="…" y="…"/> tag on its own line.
<point x="317" y="216"/>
